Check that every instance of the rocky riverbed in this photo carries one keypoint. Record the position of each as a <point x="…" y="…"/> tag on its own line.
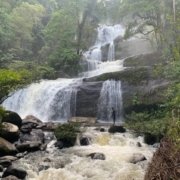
<point x="99" y="153"/>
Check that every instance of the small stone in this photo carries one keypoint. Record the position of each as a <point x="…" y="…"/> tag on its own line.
<point x="99" y="156"/>
<point x="84" y="141"/>
<point x="139" y="144"/>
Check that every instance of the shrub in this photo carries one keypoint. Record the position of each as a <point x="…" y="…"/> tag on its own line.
<point x="67" y="134"/>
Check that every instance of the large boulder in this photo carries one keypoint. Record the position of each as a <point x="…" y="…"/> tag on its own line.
<point x="29" y="146"/>
<point x="15" y="171"/>
<point x="9" y="132"/>
<point x="36" y="135"/>
<point x="6" y="148"/>
<point x="116" y="129"/>
<point x="13" y="118"/>
<point x="30" y="122"/>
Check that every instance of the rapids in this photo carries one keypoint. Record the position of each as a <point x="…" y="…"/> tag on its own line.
<point x="73" y="163"/>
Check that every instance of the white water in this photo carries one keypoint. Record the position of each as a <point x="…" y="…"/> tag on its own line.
<point x="47" y="100"/>
<point x="110" y="97"/>
<point x="106" y="36"/>
<point x="73" y="163"/>
<point x="55" y="100"/>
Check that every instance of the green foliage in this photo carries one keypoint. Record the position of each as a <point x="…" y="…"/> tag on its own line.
<point x="67" y="133"/>
<point x="65" y="60"/>
<point x="9" y="80"/>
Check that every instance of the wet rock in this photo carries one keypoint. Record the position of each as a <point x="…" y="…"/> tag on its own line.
<point x="84" y="141"/>
<point x="116" y="129"/>
<point x="6" y="161"/>
<point x="137" y="157"/>
<point x="13" y="118"/>
<point x="42" y="168"/>
<point x="21" y="155"/>
<point x="29" y="146"/>
<point x="15" y="171"/>
<point x="32" y="119"/>
<point x="102" y="130"/>
<point x="139" y="144"/>
<point x="34" y="136"/>
<point x="31" y="122"/>
<point x="59" y="144"/>
<point x="151" y="139"/>
<point x="156" y="145"/>
<point x="9" y="132"/>
<point x="99" y="156"/>
<point x="10" y="178"/>
<point x="1" y="168"/>
<point x="50" y="126"/>
<point x="6" y="148"/>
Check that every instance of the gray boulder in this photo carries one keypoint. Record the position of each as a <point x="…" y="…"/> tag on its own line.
<point x="137" y="157"/>
<point x="36" y="135"/>
<point x="6" y="148"/>
<point x="15" y="171"/>
<point x="9" y="132"/>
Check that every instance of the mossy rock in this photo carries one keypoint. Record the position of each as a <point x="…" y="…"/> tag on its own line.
<point x="67" y="134"/>
<point x="144" y="60"/>
<point x="133" y="76"/>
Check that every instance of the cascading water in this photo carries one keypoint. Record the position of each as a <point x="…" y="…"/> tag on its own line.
<point x="56" y="100"/>
<point x="110" y="97"/>
<point x="106" y="36"/>
<point x="47" y="100"/>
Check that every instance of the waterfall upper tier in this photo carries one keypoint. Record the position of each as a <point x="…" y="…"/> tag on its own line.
<point x="105" y="36"/>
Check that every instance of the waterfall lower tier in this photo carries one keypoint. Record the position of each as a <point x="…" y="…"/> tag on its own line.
<point x="47" y="100"/>
<point x="110" y="97"/>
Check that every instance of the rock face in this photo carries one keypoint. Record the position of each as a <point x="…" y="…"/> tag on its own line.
<point x="13" y="118"/>
<point x="6" y="148"/>
<point x="87" y="99"/>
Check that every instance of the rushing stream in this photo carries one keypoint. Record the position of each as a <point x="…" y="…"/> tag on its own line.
<point x="73" y="163"/>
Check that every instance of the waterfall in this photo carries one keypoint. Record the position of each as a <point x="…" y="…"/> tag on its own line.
<point x="47" y="100"/>
<point x="110" y="97"/>
<point x="105" y="36"/>
<point x="55" y="100"/>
